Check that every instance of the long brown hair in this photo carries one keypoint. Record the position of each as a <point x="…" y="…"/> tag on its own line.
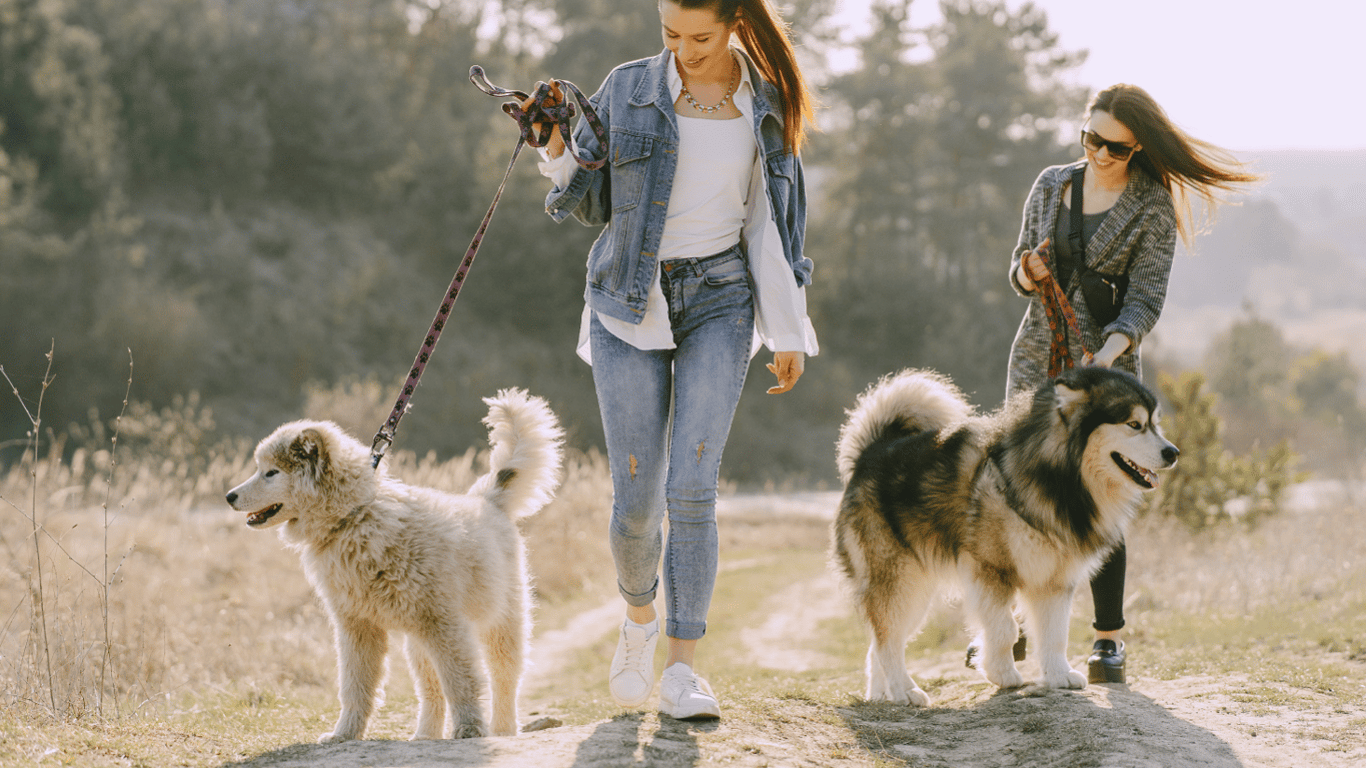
<point x="1185" y="166"/>
<point x="766" y="38"/>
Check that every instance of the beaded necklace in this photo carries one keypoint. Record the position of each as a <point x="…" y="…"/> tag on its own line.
<point x="734" y="83"/>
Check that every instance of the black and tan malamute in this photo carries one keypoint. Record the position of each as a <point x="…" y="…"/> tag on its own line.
<point x="1018" y="506"/>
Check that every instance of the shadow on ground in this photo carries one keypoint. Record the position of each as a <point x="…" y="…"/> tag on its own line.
<point x="1107" y="726"/>
<point x="626" y="740"/>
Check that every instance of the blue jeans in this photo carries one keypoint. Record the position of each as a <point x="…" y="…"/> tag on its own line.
<point x="673" y="464"/>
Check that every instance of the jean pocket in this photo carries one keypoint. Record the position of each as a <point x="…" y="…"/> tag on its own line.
<point x="728" y="272"/>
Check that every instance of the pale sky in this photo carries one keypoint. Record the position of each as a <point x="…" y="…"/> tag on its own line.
<point x="1247" y="76"/>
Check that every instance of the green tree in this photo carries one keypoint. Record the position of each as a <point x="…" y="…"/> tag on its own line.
<point x="57" y="106"/>
<point x="1250" y="367"/>
<point x="1326" y="386"/>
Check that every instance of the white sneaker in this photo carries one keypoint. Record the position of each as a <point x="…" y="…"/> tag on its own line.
<point x="685" y="696"/>
<point x="633" y="666"/>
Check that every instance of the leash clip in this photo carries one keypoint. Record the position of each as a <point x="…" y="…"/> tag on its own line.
<point x="383" y="439"/>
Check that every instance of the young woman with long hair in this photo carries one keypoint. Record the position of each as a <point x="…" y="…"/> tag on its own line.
<point x="1140" y="177"/>
<point x="699" y="262"/>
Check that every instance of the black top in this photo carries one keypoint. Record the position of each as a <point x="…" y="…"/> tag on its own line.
<point x="1062" y="245"/>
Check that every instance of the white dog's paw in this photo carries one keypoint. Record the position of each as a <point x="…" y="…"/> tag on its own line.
<point x="424" y="736"/>
<point x="1067" y="678"/>
<point x="916" y="698"/>
<point x="335" y="737"/>
<point x="1006" y="678"/>
<point x="911" y="696"/>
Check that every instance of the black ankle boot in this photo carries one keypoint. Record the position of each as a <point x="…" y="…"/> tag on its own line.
<point x="1106" y="663"/>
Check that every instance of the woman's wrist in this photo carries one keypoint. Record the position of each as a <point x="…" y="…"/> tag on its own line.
<point x="1115" y="345"/>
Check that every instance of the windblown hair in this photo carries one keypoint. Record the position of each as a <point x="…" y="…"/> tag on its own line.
<point x="767" y="40"/>
<point x="1185" y="166"/>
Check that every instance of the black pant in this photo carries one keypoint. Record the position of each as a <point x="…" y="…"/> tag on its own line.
<point x="1107" y="592"/>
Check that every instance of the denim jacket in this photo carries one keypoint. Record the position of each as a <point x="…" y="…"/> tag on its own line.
<point x="630" y="193"/>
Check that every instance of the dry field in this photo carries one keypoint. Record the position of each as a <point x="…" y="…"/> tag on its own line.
<point x="142" y="624"/>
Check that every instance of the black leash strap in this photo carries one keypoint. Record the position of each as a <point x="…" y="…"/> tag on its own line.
<point x="548" y="111"/>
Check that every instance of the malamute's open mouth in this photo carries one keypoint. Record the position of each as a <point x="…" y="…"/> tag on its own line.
<point x="1146" y="478"/>
<point x="259" y="518"/>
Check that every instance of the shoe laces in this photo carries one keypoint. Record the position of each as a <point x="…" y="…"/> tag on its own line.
<point x="688" y="681"/>
<point x="634" y="649"/>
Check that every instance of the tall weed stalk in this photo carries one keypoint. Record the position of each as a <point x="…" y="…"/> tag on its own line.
<point x="36" y="588"/>
<point x="38" y="578"/>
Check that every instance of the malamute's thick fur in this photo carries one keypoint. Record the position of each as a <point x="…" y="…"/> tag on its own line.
<point x="1022" y="504"/>
<point x="445" y="570"/>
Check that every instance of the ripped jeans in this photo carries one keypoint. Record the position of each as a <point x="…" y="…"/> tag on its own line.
<point x="673" y="464"/>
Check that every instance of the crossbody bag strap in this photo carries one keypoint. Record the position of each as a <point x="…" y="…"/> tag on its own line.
<point x="1074" y="237"/>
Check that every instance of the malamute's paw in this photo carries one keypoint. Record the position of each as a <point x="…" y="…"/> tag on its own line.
<point x="469" y="731"/>
<point x="1069" y="679"/>
<point x="424" y="736"/>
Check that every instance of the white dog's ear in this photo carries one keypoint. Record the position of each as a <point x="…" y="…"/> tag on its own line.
<point x="1069" y="399"/>
<point x="309" y="451"/>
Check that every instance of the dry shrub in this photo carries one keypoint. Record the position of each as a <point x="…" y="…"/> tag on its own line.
<point x="1210" y="484"/>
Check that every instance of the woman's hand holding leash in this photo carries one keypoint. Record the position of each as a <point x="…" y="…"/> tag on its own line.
<point x="555" y="145"/>
<point x="788" y="367"/>
<point x="1032" y="266"/>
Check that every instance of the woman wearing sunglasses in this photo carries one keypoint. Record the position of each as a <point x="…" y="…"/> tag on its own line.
<point x="1138" y="180"/>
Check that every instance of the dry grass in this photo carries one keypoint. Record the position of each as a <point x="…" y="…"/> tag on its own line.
<point x="216" y="649"/>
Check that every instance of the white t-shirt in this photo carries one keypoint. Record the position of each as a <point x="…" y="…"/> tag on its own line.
<point x="711" y="185"/>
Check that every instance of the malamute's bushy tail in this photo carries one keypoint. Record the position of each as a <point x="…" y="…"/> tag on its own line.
<point x="524" y="468"/>
<point x="917" y="399"/>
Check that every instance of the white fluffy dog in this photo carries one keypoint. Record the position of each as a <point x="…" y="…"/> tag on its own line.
<point x="445" y="570"/>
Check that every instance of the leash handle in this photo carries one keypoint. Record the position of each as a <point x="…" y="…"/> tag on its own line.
<point x="550" y="114"/>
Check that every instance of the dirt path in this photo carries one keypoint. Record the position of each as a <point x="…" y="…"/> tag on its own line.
<point x="1190" y="723"/>
<point x="1185" y="723"/>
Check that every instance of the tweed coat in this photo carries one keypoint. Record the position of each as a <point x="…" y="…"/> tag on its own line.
<point x="1138" y="236"/>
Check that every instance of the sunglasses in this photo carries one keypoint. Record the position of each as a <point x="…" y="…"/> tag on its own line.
<point x="1095" y="143"/>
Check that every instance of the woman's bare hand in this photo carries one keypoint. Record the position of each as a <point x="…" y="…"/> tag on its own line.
<point x="788" y="367"/>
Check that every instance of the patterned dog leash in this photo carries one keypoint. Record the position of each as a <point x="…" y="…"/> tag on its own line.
<point x="551" y="112"/>
<point x="1061" y="318"/>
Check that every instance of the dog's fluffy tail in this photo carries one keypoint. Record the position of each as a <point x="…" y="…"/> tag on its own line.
<point x="916" y="400"/>
<point x="524" y="468"/>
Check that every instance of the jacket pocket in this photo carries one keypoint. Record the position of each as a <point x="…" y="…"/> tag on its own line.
<point x="629" y="153"/>
<point x="781" y="172"/>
